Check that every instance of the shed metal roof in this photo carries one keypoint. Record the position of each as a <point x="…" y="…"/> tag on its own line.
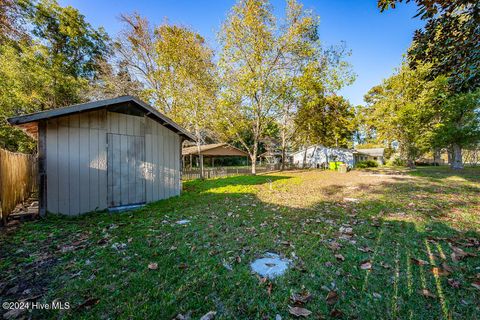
<point x="77" y="108"/>
<point x="373" y="152"/>
<point x="215" y="149"/>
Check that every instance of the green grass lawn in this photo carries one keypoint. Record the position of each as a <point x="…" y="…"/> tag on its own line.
<point x="404" y="224"/>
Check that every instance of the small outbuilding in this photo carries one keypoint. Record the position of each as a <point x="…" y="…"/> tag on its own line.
<point x="374" y="154"/>
<point x="105" y="154"/>
<point x="318" y="156"/>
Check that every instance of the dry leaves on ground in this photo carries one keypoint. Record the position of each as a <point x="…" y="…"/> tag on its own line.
<point x="340" y="257"/>
<point x="153" y="266"/>
<point x="209" y="315"/>
<point x="366" y="265"/>
<point x="301" y="297"/>
<point x="332" y="297"/>
<point x="299" y="312"/>
<point x="426" y="293"/>
<point x="419" y="262"/>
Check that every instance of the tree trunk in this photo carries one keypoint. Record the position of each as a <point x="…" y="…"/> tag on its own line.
<point x="411" y="163"/>
<point x="254" y="158"/>
<point x="200" y="159"/>
<point x="305" y="157"/>
<point x="200" y="156"/>
<point x="283" y="152"/>
<point x="450" y="155"/>
<point x="436" y="156"/>
<point x="457" y="162"/>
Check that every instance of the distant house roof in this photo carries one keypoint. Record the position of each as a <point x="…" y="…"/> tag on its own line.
<point x="216" y="149"/>
<point x="29" y="122"/>
<point x="373" y="152"/>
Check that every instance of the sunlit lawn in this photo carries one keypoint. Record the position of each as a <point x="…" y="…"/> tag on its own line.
<point x="99" y="262"/>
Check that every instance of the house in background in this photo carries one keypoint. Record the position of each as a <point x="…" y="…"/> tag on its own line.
<point x="105" y="154"/>
<point x="375" y="154"/>
<point x="318" y="156"/>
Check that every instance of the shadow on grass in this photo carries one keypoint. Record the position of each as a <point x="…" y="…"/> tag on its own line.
<point x="444" y="172"/>
<point x="233" y="229"/>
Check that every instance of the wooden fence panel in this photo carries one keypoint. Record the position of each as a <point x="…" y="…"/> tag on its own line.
<point x="18" y="180"/>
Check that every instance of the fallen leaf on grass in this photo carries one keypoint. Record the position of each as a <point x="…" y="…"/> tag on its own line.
<point x="476" y="285"/>
<point x="454" y="283"/>
<point x="301" y="297"/>
<point x="153" y="266"/>
<point x="332" y="297"/>
<point x="334" y="246"/>
<point x="440" y="272"/>
<point x="269" y="288"/>
<point x="335" y="313"/>
<point x="183" y="266"/>
<point x="458" y="254"/>
<point x="13" y="313"/>
<point x="426" y="293"/>
<point x="365" y="249"/>
<point x="209" y="315"/>
<point x="419" y="262"/>
<point x="446" y="267"/>
<point x="340" y="257"/>
<point x="366" y="265"/>
<point x="183" y="316"/>
<point x="88" y="303"/>
<point x="299" y="312"/>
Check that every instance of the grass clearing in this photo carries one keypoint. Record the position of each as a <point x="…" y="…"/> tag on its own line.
<point x="402" y="220"/>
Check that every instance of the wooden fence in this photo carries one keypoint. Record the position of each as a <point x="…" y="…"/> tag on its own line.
<point x="18" y="180"/>
<point x="194" y="173"/>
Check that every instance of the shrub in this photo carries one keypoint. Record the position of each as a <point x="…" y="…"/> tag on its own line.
<point x="367" y="164"/>
<point x="396" y="161"/>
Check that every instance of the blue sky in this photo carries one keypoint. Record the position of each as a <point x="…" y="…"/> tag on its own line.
<point x="377" y="40"/>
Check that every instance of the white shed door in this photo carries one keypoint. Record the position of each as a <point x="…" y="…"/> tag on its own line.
<point x="126" y="182"/>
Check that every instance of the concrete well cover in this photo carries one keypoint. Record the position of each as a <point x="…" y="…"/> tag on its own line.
<point x="270" y="266"/>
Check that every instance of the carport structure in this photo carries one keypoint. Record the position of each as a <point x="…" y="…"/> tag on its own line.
<point x="211" y="151"/>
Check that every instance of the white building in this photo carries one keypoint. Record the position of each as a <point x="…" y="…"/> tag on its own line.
<point x="318" y="156"/>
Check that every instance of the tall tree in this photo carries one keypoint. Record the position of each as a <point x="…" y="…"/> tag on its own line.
<point x="404" y="108"/>
<point x="458" y="125"/>
<point x="176" y="66"/>
<point x="49" y="66"/>
<point x="449" y="42"/>
<point x="260" y="58"/>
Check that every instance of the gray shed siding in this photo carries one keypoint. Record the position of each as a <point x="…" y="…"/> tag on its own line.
<point x="77" y="158"/>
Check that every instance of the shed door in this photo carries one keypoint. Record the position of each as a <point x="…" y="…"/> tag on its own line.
<point x="126" y="182"/>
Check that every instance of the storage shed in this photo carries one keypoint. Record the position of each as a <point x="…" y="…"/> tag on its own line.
<point x="105" y="154"/>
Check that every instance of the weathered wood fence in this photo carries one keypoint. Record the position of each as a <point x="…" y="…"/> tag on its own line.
<point x="194" y="173"/>
<point x="18" y="180"/>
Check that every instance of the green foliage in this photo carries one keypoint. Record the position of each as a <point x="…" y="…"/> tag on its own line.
<point x="448" y="42"/>
<point x="366" y="164"/>
<point x="396" y="161"/>
<point x="403" y="109"/>
<point x="176" y="66"/>
<point x="259" y="56"/>
<point x="459" y="121"/>
<point x="49" y="67"/>
<point x="326" y="120"/>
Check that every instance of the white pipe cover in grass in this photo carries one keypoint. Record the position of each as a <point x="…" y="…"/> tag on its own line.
<point x="270" y="266"/>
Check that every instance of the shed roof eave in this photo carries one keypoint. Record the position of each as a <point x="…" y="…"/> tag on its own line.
<point x="94" y="105"/>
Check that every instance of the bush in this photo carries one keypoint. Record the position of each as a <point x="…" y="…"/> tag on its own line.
<point x="367" y="164"/>
<point x="396" y="161"/>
